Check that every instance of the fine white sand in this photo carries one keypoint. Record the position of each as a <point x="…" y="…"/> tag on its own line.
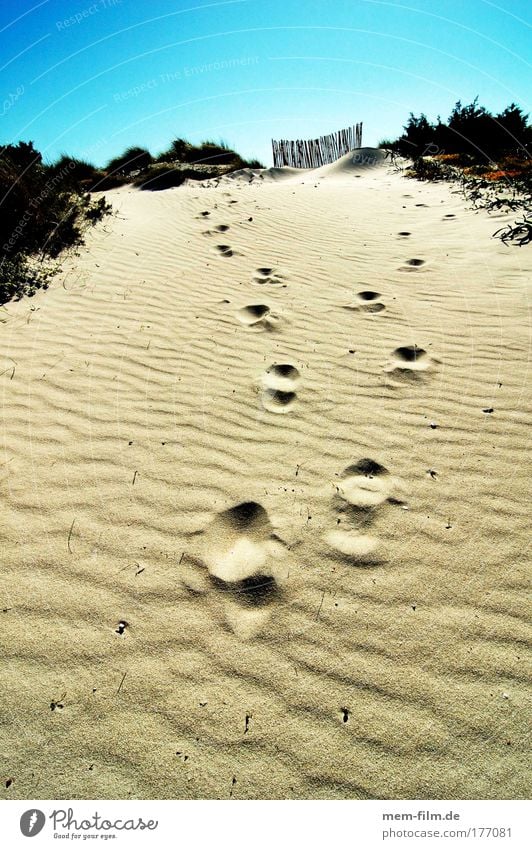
<point x="249" y="423"/>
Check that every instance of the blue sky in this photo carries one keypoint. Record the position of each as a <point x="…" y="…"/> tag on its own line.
<point x="91" y="78"/>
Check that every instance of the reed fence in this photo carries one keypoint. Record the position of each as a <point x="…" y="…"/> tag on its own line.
<point x="312" y="153"/>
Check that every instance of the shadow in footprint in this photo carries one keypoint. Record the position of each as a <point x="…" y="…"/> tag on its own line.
<point x="220" y="228"/>
<point x="225" y="250"/>
<point x="277" y="401"/>
<point x="241" y="552"/>
<point x="255" y="591"/>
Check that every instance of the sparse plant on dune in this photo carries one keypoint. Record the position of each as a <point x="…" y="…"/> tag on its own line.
<point x="519" y="233"/>
<point x="427" y="168"/>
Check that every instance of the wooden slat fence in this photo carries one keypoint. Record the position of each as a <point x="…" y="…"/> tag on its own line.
<point x="313" y="153"/>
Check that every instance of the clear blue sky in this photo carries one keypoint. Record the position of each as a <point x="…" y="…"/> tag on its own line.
<point x="91" y="78"/>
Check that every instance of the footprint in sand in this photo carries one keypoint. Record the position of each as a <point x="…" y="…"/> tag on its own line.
<point x="220" y="228"/>
<point x="409" y="363"/>
<point x="268" y="277"/>
<point x="365" y="484"/>
<point x="258" y="317"/>
<point x="279" y="387"/>
<point x="244" y="558"/>
<point x="412" y="264"/>
<point x="364" y="490"/>
<point x="225" y="250"/>
<point x="367" y="301"/>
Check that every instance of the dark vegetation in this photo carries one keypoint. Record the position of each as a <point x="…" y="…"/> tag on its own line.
<point x="470" y="131"/>
<point x="45" y="209"/>
<point x="489" y="156"/>
<point x="182" y="161"/>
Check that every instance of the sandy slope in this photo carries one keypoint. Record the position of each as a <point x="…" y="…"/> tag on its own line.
<point x="290" y="492"/>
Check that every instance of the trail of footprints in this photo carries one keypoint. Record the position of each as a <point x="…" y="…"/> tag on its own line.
<point x="240" y="551"/>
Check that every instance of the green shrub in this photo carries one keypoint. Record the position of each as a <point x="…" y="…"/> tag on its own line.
<point x="43" y="211"/>
<point x="428" y="169"/>
<point x="19" y="277"/>
<point x="75" y="172"/>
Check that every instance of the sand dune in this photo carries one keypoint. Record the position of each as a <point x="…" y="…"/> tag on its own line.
<point x="264" y="517"/>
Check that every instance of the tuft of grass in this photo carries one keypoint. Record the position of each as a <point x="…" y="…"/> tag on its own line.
<point x="131" y="160"/>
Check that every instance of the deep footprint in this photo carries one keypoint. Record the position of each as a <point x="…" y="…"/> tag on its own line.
<point x="363" y="491"/>
<point x="220" y="228"/>
<point x="279" y="385"/>
<point x="277" y="401"/>
<point x="365" y="484"/>
<point x="410" y="363"/>
<point x="410" y="354"/>
<point x="253" y="314"/>
<point x="240" y="552"/>
<point x="367" y="301"/>
<point x="268" y="277"/>
<point x="258" y="317"/>
<point x="224" y="250"/>
<point x="412" y="264"/>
